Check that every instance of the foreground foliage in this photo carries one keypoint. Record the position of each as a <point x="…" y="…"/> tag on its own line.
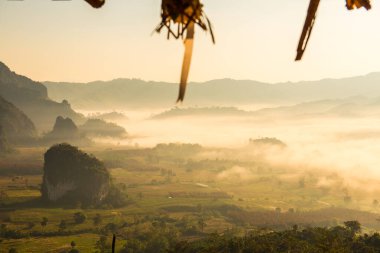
<point x="317" y="239"/>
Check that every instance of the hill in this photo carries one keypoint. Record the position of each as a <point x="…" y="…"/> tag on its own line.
<point x="101" y="128"/>
<point x="133" y="93"/>
<point x="32" y="98"/>
<point x="17" y="127"/>
<point x="64" y="130"/>
<point x="109" y="116"/>
<point x="201" y="112"/>
<point x="349" y="107"/>
<point x="71" y="175"/>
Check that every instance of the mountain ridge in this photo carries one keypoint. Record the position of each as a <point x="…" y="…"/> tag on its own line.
<point x="31" y="98"/>
<point x="15" y="125"/>
<point x="348" y="107"/>
<point x="136" y="93"/>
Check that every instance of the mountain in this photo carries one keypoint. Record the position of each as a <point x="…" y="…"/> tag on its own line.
<point x="133" y="93"/>
<point x="32" y="98"/>
<point x="109" y="116"/>
<point x="349" y="107"/>
<point x="116" y="94"/>
<point x="64" y="130"/>
<point x="16" y="126"/>
<point x="201" y="112"/>
<point x="101" y="128"/>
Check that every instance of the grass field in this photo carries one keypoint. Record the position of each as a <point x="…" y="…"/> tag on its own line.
<point x="179" y="185"/>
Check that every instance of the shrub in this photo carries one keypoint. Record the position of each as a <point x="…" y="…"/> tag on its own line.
<point x="79" y="218"/>
<point x="12" y="250"/>
<point x="97" y="219"/>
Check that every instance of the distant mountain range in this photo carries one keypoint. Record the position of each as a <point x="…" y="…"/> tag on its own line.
<point x="349" y="107"/>
<point x="32" y="99"/>
<point x="121" y="94"/>
<point x="202" y="112"/>
<point x="356" y="96"/>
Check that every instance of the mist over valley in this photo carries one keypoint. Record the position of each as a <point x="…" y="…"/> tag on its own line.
<point x="235" y="155"/>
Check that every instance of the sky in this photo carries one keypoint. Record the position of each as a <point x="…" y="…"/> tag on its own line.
<point x="255" y="39"/>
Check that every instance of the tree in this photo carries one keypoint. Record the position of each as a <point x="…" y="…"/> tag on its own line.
<point x="353" y="226"/>
<point x="97" y="220"/>
<point x="132" y="246"/>
<point x="3" y="229"/>
<point x="111" y="227"/>
<point x="79" y="217"/>
<point x="201" y="223"/>
<point x="44" y="222"/>
<point x="347" y="199"/>
<point x="62" y="225"/>
<point x="157" y="244"/>
<point x="30" y="225"/>
<point x="102" y="245"/>
<point x="116" y="198"/>
<point x="301" y="182"/>
<point x="12" y="250"/>
<point x="73" y="249"/>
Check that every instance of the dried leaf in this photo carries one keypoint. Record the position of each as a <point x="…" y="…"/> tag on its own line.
<point x="351" y="4"/>
<point x="180" y="13"/>
<point x="189" y="42"/>
<point x="96" y="3"/>
<point x="307" y="28"/>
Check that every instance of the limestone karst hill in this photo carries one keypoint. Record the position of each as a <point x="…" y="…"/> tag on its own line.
<point x="72" y="176"/>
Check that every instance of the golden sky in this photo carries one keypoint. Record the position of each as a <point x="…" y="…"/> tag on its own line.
<point x="69" y="41"/>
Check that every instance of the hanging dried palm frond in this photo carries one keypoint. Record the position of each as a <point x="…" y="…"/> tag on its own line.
<point x="310" y="20"/>
<point x="181" y="13"/>
<point x="179" y="17"/>
<point x="351" y="4"/>
<point x="96" y="3"/>
<point x="189" y="41"/>
<point x="307" y="28"/>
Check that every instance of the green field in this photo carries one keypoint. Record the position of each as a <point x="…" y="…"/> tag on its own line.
<point x="186" y="190"/>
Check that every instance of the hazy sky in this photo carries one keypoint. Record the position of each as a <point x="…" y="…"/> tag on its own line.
<point x="256" y="39"/>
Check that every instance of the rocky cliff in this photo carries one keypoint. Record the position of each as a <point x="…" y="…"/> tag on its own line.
<point x="16" y="126"/>
<point x="32" y="98"/>
<point x="72" y="176"/>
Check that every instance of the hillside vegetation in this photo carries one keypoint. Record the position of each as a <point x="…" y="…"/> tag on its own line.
<point x="32" y="98"/>
<point x="16" y="126"/>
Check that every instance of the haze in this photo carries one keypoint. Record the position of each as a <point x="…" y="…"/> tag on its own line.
<point x="255" y="40"/>
<point x="263" y="149"/>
